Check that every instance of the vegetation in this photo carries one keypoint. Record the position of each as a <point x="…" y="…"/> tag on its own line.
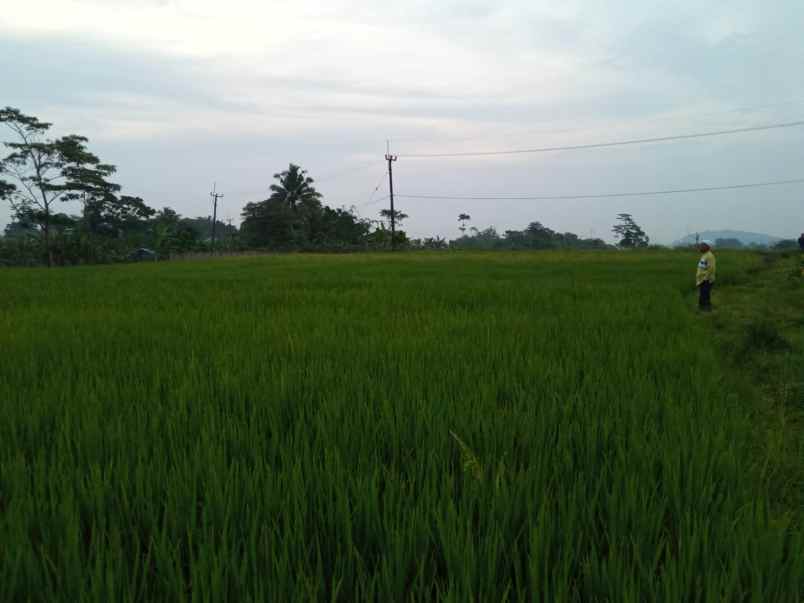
<point x="40" y="175"/>
<point x="759" y="325"/>
<point x="462" y="220"/>
<point x="629" y="233"/>
<point x="728" y="243"/>
<point x="535" y="236"/>
<point x="456" y="426"/>
<point x="40" y="172"/>
<point x="786" y="244"/>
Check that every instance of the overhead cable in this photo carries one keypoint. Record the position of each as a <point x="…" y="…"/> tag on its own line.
<point x="597" y="145"/>
<point x="601" y="195"/>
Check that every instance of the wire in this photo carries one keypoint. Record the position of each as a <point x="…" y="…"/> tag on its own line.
<point x="375" y="190"/>
<point x="792" y="124"/>
<point x="350" y="170"/>
<point x="375" y="201"/>
<point x="603" y="195"/>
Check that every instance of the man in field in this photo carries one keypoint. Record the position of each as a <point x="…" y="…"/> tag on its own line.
<point x="801" y="242"/>
<point x="705" y="276"/>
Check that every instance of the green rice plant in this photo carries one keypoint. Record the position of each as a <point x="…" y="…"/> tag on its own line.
<point x="762" y="335"/>
<point x="471" y="464"/>
<point x="299" y="428"/>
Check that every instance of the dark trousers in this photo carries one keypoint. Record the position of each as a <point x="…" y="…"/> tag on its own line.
<point x="704" y="295"/>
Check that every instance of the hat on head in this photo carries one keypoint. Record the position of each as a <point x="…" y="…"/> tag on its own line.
<point x="708" y="243"/>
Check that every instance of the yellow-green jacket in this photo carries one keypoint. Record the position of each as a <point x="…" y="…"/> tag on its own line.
<point x="706" y="268"/>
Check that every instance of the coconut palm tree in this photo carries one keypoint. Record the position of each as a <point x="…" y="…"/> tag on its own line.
<point x="463" y="219"/>
<point x="294" y="191"/>
<point x="295" y="188"/>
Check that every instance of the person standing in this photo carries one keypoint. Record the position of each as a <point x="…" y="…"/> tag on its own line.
<point x="801" y="242"/>
<point x="705" y="276"/>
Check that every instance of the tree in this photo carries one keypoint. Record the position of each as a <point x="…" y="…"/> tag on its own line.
<point x="785" y="244"/>
<point x="399" y="217"/>
<point x="295" y="191"/>
<point x="728" y="243"/>
<point x="268" y="223"/>
<point x="433" y="243"/>
<point x="534" y="236"/>
<point x="380" y="238"/>
<point x="294" y="188"/>
<point x="463" y="219"/>
<point x="629" y="232"/>
<point x="480" y="239"/>
<point x="203" y="227"/>
<point x="342" y="228"/>
<point x="290" y="216"/>
<point x="116" y="217"/>
<point x="172" y="233"/>
<point x="44" y="171"/>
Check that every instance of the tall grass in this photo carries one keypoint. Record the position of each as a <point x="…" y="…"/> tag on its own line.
<point x="485" y="427"/>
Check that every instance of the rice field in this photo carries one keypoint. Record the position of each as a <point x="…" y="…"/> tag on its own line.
<point x="446" y="426"/>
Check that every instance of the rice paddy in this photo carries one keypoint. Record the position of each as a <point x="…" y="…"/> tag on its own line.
<point x="445" y="426"/>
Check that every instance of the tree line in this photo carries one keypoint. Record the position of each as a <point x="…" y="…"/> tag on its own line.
<point x="40" y="176"/>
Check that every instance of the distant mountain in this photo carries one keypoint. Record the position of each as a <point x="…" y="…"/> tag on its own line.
<point x="746" y="238"/>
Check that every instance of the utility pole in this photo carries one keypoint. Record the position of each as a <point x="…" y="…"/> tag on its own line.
<point x="215" y="196"/>
<point x="390" y="159"/>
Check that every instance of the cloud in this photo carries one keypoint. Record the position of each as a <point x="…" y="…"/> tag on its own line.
<point x="178" y="93"/>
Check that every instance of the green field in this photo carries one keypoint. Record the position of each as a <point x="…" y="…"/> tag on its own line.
<point x="465" y="427"/>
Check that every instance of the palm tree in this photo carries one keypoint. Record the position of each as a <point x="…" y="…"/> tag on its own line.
<point x="399" y="217"/>
<point x="295" y="188"/>
<point x="463" y="219"/>
<point x="295" y="191"/>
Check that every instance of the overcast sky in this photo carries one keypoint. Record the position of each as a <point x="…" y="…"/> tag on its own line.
<point x="181" y="93"/>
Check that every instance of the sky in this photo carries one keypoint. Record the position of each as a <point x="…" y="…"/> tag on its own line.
<point x="181" y="94"/>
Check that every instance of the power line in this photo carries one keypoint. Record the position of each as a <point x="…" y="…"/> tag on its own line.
<point x="602" y="195"/>
<point x="374" y="191"/>
<point x="689" y="116"/>
<point x="350" y="170"/>
<point x="383" y="198"/>
<point x="597" y="145"/>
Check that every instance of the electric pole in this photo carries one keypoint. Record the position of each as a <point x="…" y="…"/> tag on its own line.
<point x="215" y="196"/>
<point x="390" y="159"/>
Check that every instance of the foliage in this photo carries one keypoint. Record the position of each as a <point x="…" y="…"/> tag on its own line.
<point x="45" y="171"/>
<point x="276" y="429"/>
<point x="113" y="217"/>
<point x="433" y="243"/>
<point x="202" y="226"/>
<point x="629" y="232"/>
<point x="762" y="334"/>
<point x="758" y="325"/>
<point x="398" y="216"/>
<point x="786" y="244"/>
<point x="108" y="233"/>
<point x="380" y="238"/>
<point x="289" y="217"/>
<point x="294" y="218"/>
<point x="463" y="219"/>
<point x="729" y="243"/>
<point x="535" y="236"/>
